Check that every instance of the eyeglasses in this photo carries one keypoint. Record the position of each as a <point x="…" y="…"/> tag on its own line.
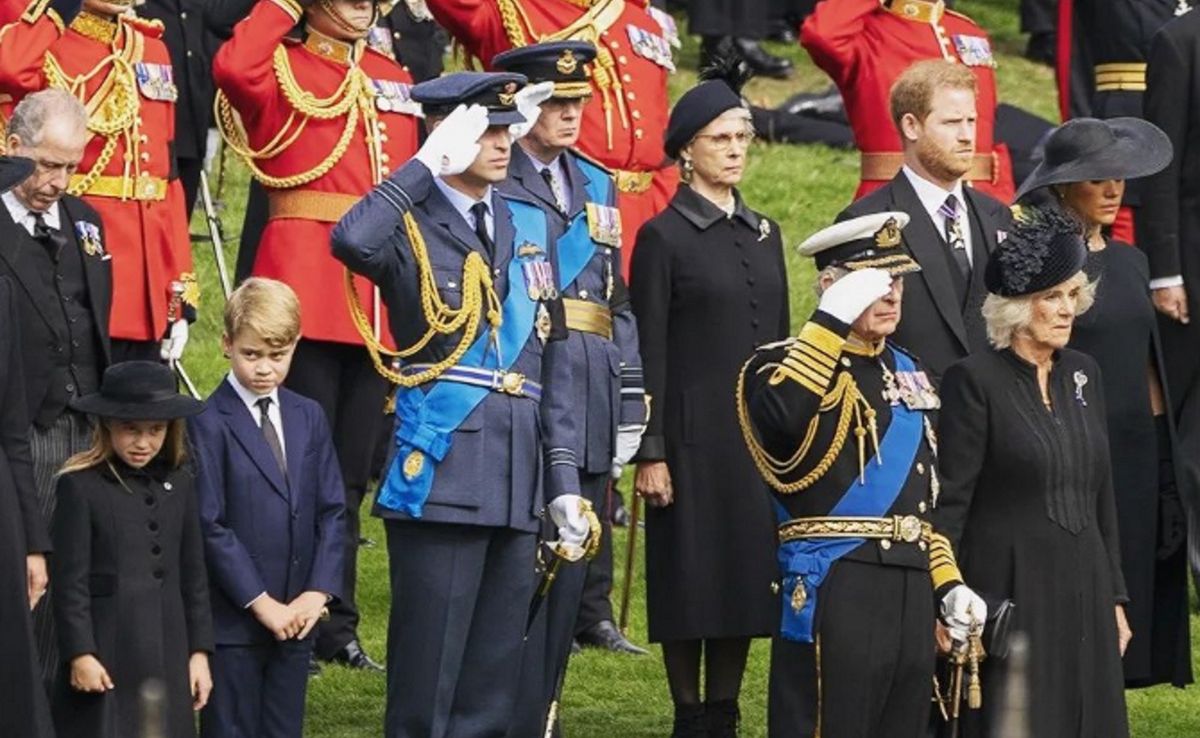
<point x="725" y="141"/>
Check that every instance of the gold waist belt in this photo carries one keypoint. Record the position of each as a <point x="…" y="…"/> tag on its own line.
<point x="1131" y="76"/>
<point x="144" y="187"/>
<point x="882" y="166"/>
<point x="325" y="207"/>
<point x="899" y="528"/>
<point x="633" y="182"/>
<point x="588" y="317"/>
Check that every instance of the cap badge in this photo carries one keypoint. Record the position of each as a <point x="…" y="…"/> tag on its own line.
<point x="508" y="95"/>
<point x="566" y="63"/>
<point x="889" y="235"/>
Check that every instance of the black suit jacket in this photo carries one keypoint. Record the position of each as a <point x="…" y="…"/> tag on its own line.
<point x="38" y="337"/>
<point x="1168" y="222"/>
<point x="934" y="325"/>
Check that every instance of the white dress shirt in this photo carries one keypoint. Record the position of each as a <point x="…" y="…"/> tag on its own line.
<point x="462" y="204"/>
<point x="24" y="217"/>
<point x="559" y="173"/>
<point x="932" y="198"/>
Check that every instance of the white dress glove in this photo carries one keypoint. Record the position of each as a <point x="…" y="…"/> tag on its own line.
<point x="847" y="298"/>
<point x="529" y="104"/>
<point x="453" y="145"/>
<point x="172" y="346"/>
<point x="629" y="439"/>
<point x="570" y="516"/>
<point x="962" y="611"/>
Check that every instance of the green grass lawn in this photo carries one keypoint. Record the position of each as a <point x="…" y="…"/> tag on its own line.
<point x="609" y="696"/>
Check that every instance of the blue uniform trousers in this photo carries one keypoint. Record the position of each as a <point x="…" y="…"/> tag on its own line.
<point x="258" y="691"/>
<point x="460" y="599"/>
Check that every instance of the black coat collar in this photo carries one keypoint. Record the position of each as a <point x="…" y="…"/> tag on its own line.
<point x="702" y="213"/>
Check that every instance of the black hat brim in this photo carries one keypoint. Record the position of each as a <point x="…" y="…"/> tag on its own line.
<point x="171" y="408"/>
<point x="14" y="170"/>
<point x="1141" y="149"/>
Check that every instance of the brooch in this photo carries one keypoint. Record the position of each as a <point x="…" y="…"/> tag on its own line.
<point x="764" y="229"/>
<point x="1081" y="381"/>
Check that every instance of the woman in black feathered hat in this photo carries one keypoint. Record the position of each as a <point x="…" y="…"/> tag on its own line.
<point x="130" y="593"/>
<point x="708" y="286"/>
<point x="1086" y="165"/>
<point x="1027" y="489"/>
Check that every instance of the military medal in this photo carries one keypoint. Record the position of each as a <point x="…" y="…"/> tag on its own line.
<point x="650" y="46"/>
<point x="380" y="39"/>
<point x="89" y="237"/>
<point x="155" y="81"/>
<point x="542" y="323"/>
<point x="539" y="279"/>
<point x="394" y="97"/>
<point x="1081" y="381"/>
<point x="604" y="224"/>
<point x="974" y="51"/>
<point x="891" y="393"/>
<point x="666" y="22"/>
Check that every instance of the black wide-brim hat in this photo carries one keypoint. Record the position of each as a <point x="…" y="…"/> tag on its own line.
<point x="138" y="390"/>
<point x="14" y="170"/>
<point x="1088" y="149"/>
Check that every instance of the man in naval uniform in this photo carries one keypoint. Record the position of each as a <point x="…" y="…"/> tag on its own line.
<point x="838" y="421"/>
<point x="467" y="276"/>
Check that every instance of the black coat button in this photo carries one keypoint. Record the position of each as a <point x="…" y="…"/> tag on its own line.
<point x="152" y="526"/>
<point x="150" y="500"/>
<point x="159" y="573"/>
<point x="156" y="550"/>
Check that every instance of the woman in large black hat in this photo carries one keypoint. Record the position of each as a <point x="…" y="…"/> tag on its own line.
<point x="130" y="590"/>
<point x="1086" y="164"/>
<point x="1027" y="489"/>
<point x="708" y="286"/>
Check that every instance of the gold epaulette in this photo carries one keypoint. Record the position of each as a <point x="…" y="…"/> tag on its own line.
<point x="918" y="11"/>
<point x="943" y="568"/>
<point x="812" y="359"/>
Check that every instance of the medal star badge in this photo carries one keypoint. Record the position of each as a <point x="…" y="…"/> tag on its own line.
<point x="567" y="63"/>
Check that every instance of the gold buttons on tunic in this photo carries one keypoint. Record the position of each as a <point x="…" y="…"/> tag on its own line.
<point x="921" y="506"/>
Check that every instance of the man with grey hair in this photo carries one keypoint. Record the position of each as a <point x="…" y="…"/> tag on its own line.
<point x="52" y="247"/>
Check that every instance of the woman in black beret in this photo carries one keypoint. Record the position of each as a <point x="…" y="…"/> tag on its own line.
<point x="1083" y="173"/>
<point x="1027" y="488"/>
<point x="708" y="286"/>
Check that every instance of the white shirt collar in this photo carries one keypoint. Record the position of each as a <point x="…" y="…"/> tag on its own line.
<point x="462" y="202"/>
<point x="932" y="196"/>
<point x="250" y="398"/>
<point x="24" y="216"/>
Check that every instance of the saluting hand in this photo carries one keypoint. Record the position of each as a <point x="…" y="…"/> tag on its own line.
<point x="653" y="483"/>
<point x="847" y="298"/>
<point x="89" y="675"/>
<point x="454" y="142"/>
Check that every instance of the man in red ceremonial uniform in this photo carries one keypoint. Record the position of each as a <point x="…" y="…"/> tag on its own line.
<point x="624" y="123"/>
<point x="864" y="45"/>
<point x="116" y="64"/>
<point x="320" y="122"/>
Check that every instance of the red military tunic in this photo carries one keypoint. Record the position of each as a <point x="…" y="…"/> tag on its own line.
<point x="626" y="119"/>
<point x="864" y="47"/>
<point x="122" y="73"/>
<point x="263" y="76"/>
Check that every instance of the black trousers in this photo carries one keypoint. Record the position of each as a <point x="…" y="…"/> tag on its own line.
<point x="595" y="603"/>
<point x="189" y="177"/>
<point x="341" y="379"/>
<point x="869" y="673"/>
<point x="460" y="598"/>
<point x="258" y="690"/>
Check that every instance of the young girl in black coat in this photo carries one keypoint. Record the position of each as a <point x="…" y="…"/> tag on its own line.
<point x="130" y="591"/>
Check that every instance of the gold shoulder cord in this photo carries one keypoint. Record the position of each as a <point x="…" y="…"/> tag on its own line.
<point x="854" y="406"/>
<point x="112" y="110"/>
<point x="600" y="16"/>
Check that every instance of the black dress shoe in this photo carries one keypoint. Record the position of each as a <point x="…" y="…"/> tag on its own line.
<point x="782" y="31"/>
<point x="721" y="718"/>
<point x="620" y="515"/>
<point x="763" y="63"/>
<point x="353" y="656"/>
<point x="689" y="722"/>
<point x="604" y="634"/>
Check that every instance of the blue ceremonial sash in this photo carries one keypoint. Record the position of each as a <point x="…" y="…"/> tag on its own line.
<point x="576" y="247"/>
<point x="428" y="418"/>
<point x="808" y="561"/>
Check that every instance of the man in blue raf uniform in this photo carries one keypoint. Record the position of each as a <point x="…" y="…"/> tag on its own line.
<point x="854" y="507"/>
<point x="608" y="408"/>
<point x="469" y="283"/>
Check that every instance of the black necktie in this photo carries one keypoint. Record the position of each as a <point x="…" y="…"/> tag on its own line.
<point x="954" y="235"/>
<point x="50" y="238"/>
<point x="479" y="212"/>
<point x="552" y="183"/>
<point x="270" y="433"/>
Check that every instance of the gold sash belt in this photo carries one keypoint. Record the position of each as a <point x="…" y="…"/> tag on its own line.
<point x="885" y="165"/>
<point x="145" y="187"/>
<point x="325" y="207"/>
<point x="633" y="182"/>
<point x="899" y="528"/>
<point x="588" y="317"/>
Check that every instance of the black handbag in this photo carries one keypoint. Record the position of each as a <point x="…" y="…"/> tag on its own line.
<point x="997" y="630"/>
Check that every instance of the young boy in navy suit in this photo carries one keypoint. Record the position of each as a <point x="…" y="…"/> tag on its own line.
<point x="272" y="512"/>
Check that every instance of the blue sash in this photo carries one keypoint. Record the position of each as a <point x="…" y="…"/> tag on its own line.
<point x="576" y="247"/>
<point x="427" y="418"/>
<point x="809" y="560"/>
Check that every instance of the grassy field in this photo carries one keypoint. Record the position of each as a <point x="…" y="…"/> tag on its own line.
<point x="609" y="696"/>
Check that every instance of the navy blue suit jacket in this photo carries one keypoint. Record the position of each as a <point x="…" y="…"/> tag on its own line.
<point x="264" y="531"/>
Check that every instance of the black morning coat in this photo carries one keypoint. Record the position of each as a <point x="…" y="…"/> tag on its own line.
<point x="23" y="708"/>
<point x="939" y="324"/>
<point x="35" y="307"/>
<point x="129" y="587"/>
